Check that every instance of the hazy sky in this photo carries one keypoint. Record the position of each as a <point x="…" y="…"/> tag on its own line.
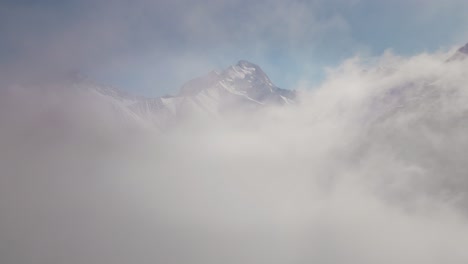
<point x="152" y="47"/>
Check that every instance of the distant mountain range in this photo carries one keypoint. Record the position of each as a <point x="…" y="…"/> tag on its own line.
<point x="240" y="87"/>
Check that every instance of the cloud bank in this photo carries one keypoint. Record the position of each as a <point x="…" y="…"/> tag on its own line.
<point x="367" y="168"/>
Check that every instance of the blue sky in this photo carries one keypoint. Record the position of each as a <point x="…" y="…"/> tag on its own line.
<point x="152" y="47"/>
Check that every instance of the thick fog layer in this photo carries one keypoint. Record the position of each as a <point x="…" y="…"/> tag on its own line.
<point x="370" y="167"/>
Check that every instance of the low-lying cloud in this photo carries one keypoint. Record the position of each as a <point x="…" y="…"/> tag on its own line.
<point x="367" y="168"/>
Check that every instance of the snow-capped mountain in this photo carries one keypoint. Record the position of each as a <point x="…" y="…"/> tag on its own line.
<point x="244" y="81"/>
<point x="241" y="87"/>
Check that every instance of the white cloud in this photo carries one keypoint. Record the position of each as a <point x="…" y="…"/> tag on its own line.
<point x="368" y="168"/>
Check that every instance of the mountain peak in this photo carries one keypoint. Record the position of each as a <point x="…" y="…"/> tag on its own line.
<point x="243" y="80"/>
<point x="246" y="69"/>
<point x="246" y="64"/>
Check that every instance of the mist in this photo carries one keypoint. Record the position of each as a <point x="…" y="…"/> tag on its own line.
<point x="368" y="167"/>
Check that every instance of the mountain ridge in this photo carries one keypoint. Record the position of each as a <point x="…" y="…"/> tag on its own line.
<point x="243" y="86"/>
